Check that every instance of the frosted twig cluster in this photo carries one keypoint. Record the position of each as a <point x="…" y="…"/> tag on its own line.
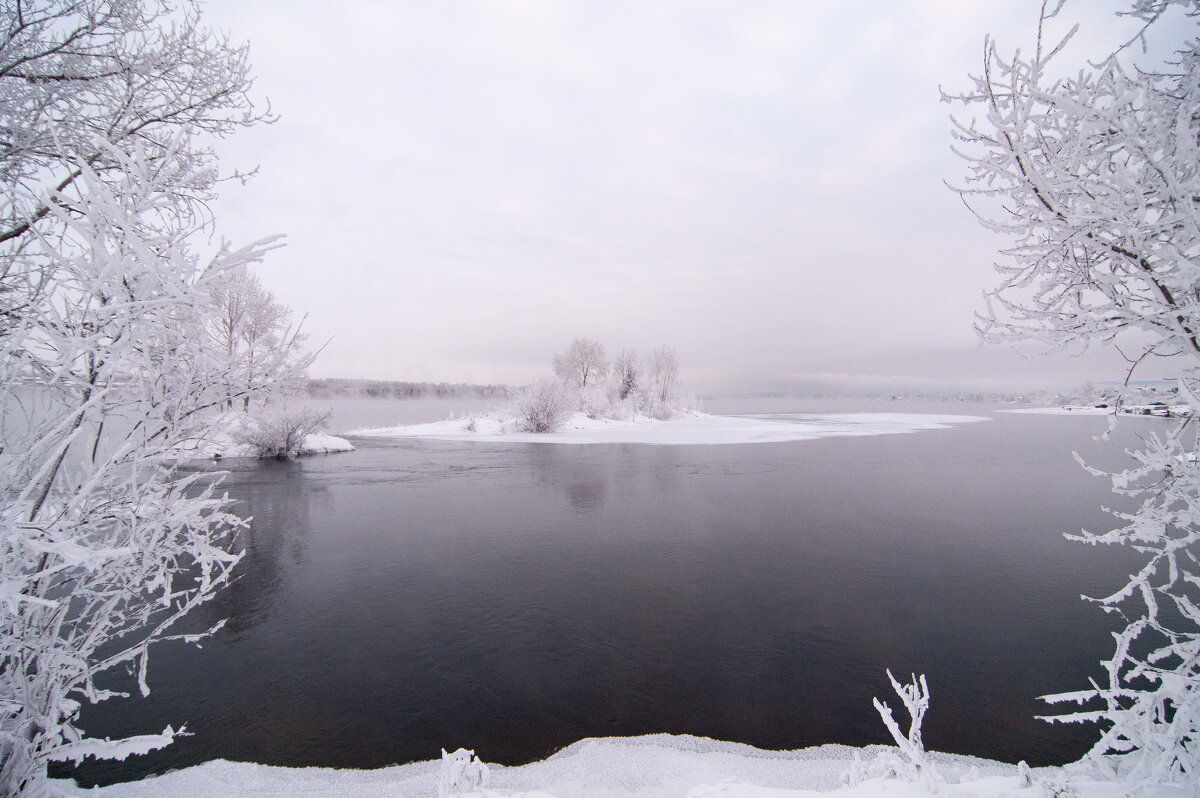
<point x="1149" y="706"/>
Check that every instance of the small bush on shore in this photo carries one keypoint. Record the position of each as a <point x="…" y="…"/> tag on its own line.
<point x="281" y="433"/>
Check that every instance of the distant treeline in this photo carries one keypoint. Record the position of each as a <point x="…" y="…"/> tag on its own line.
<point x="387" y="389"/>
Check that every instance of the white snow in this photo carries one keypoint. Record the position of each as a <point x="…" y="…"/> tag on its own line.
<point x="1064" y="410"/>
<point x="324" y="443"/>
<point x="654" y="766"/>
<point x="690" y="429"/>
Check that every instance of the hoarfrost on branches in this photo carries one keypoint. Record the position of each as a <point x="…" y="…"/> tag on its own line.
<point x="584" y="360"/>
<point x="262" y="348"/>
<point x="914" y="766"/>
<point x="1096" y="180"/>
<point x="104" y="364"/>
<point x="281" y="432"/>
<point x="627" y="371"/>
<point x="543" y="406"/>
<point x="663" y="368"/>
<point x="624" y="389"/>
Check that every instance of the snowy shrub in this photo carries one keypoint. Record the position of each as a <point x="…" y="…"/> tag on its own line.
<point x="281" y="432"/>
<point x="543" y="406"/>
<point x="596" y="401"/>
<point x="461" y="772"/>
<point x="914" y="766"/>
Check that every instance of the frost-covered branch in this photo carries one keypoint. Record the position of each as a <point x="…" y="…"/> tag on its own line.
<point x="1094" y="180"/>
<point x="1148" y="708"/>
<point x="915" y="696"/>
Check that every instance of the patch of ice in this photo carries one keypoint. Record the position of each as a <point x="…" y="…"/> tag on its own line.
<point x="690" y="429"/>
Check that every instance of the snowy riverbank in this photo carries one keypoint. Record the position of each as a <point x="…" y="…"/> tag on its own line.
<point x="1157" y="410"/>
<point x="687" y="429"/>
<point x="654" y="766"/>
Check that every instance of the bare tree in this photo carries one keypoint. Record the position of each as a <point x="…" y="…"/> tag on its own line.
<point x="1094" y="177"/>
<point x="584" y="360"/>
<point x="663" y="365"/>
<point x="103" y="365"/>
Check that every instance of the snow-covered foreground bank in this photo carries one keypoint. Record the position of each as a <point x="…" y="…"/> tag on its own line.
<point x="689" y="429"/>
<point x="654" y="766"/>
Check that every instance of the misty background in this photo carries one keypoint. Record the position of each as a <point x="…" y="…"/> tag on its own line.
<point x="467" y="186"/>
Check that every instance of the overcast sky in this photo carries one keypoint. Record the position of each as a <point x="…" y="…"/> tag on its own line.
<point x="466" y="186"/>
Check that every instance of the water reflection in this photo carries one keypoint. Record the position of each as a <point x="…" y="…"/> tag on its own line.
<point x="277" y="498"/>
<point x="590" y="476"/>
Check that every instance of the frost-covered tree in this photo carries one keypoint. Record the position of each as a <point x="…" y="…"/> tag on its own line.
<point x="253" y="329"/>
<point x="1096" y="179"/>
<point x="583" y="361"/>
<point x="663" y="368"/>
<point x="103" y="363"/>
<point x="627" y="372"/>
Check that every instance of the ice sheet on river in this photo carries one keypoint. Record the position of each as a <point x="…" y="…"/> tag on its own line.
<point x="692" y="428"/>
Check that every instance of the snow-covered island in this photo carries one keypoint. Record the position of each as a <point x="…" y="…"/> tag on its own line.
<point x="238" y="434"/>
<point x="688" y="428"/>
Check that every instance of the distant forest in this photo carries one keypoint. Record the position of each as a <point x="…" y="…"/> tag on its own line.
<point x="386" y="389"/>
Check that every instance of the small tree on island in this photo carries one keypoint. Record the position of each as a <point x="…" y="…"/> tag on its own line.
<point x="263" y="350"/>
<point x="663" y="368"/>
<point x="627" y="371"/>
<point x="583" y="361"/>
<point x="1095" y="178"/>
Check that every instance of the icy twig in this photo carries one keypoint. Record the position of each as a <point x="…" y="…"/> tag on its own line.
<point x="916" y="700"/>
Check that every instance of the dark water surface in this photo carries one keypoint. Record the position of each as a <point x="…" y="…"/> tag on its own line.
<point x="513" y="598"/>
